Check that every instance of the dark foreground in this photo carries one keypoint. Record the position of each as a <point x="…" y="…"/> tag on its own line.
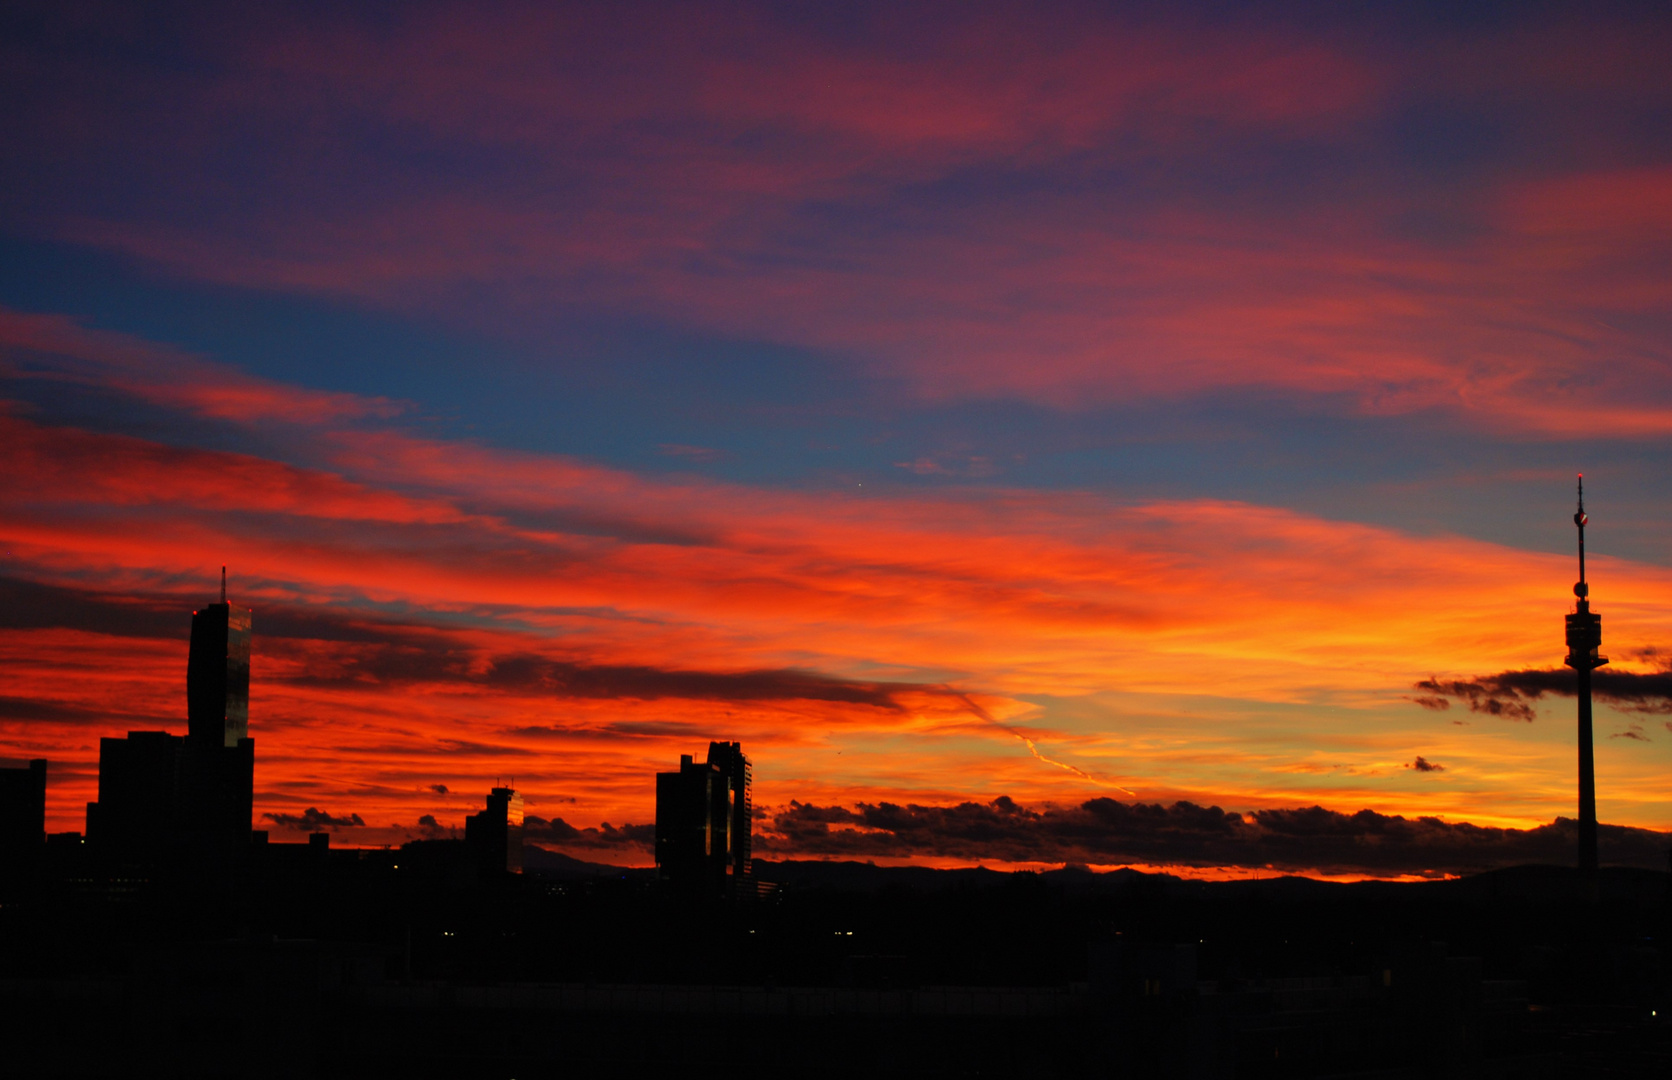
<point x="353" y="964"/>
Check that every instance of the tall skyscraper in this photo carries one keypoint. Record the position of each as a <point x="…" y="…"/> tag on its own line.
<point x="1584" y="638"/>
<point x="703" y="824"/>
<point x="190" y="797"/>
<point x="729" y="759"/>
<point x="494" y="837"/>
<point x="218" y="674"/>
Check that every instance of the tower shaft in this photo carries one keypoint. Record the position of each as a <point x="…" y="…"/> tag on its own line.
<point x="1587" y="779"/>
<point x="1584" y="640"/>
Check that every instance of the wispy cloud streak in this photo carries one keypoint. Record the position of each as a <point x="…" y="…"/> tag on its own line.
<point x="1212" y="204"/>
<point x="465" y="604"/>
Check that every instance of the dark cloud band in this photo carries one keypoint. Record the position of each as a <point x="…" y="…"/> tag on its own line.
<point x="1105" y="831"/>
<point x="1510" y="694"/>
<point x="387" y="653"/>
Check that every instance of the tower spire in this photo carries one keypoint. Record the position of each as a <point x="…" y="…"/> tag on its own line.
<point x="1580" y="589"/>
<point x="1581" y="569"/>
<point x="1584" y="638"/>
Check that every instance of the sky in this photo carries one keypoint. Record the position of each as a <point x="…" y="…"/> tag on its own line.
<point x="1030" y="415"/>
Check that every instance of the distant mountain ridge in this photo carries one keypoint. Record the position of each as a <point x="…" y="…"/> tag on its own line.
<point x="864" y="877"/>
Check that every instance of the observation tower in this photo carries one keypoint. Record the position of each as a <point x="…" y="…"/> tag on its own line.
<point x="1584" y="638"/>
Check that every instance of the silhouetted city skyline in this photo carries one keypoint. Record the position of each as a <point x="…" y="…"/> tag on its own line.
<point x="172" y="874"/>
<point x="849" y="540"/>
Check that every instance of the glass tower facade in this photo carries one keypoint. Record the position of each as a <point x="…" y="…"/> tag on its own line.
<point x="218" y="676"/>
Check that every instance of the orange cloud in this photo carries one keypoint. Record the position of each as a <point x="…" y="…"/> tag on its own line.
<point x="441" y="614"/>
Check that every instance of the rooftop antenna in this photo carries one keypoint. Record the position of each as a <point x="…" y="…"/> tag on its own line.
<point x="1580" y="589"/>
<point x="1584" y="638"/>
<point x="1581" y="571"/>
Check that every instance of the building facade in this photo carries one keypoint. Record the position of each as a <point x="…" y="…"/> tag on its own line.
<point x="494" y="837"/>
<point x="218" y="676"/>
<point x="703" y="825"/>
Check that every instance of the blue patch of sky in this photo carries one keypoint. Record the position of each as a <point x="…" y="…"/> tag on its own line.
<point x="640" y="395"/>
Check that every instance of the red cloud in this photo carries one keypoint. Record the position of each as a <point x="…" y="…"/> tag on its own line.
<point x="440" y="613"/>
<point x="714" y="165"/>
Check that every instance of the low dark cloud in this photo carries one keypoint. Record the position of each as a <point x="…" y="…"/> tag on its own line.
<point x="1105" y="831"/>
<point x="444" y="662"/>
<point x="431" y="829"/>
<point x="1422" y="764"/>
<point x="1510" y="694"/>
<point x="605" y="837"/>
<point x="314" y="819"/>
<point x="439" y="789"/>
<point x="414" y="656"/>
<point x="393" y="654"/>
<point x="562" y="679"/>
<point x="28" y="605"/>
<point x="31" y="605"/>
<point x="54" y="712"/>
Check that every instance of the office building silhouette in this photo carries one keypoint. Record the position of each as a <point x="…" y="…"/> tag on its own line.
<point x="729" y="758"/>
<point x="703" y="824"/>
<point x="138" y="808"/>
<point x="494" y="837"/>
<point x="23" y="807"/>
<point x="190" y="796"/>
<point x="218" y="674"/>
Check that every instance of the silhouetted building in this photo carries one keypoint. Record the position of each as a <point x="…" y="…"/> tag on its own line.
<point x="729" y="758"/>
<point x="218" y="674"/>
<point x="192" y="795"/>
<point x="23" y="807"/>
<point x="1584" y="638"/>
<point x="217" y="762"/>
<point x="703" y="824"/>
<point x="686" y="824"/>
<point x="138" y="808"/>
<point x="494" y="837"/>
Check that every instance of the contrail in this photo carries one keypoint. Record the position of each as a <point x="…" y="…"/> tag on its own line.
<point x="1032" y="749"/>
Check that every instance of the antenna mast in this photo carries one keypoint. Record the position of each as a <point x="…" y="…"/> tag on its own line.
<point x="1580" y="589"/>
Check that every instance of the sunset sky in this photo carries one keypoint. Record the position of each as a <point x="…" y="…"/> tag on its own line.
<point x="953" y="403"/>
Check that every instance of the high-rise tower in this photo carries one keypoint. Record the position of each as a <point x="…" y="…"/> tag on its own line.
<point x="218" y="674"/>
<point x="1584" y="638"/>
<point x="703" y="814"/>
<point x="729" y="758"/>
<point x="495" y="836"/>
<point x="187" y="799"/>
